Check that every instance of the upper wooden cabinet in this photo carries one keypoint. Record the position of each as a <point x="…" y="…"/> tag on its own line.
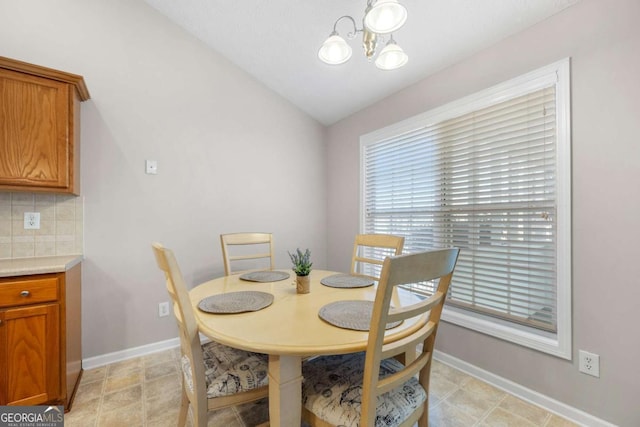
<point x="39" y="128"/>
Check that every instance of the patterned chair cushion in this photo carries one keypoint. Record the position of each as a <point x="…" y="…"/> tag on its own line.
<point x="229" y="370"/>
<point x="332" y="390"/>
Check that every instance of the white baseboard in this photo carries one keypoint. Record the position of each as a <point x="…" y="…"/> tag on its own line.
<point x="130" y="353"/>
<point x="565" y="411"/>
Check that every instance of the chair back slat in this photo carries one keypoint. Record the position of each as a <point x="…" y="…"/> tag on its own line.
<point x="395" y="380"/>
<point x="394" y="348"/>
<point x="369" y="251"/>
<point x="397" y="314"/>
<point x="237" y="247"/>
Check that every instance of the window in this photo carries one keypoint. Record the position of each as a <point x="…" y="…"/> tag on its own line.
<point x="489" y="174"/>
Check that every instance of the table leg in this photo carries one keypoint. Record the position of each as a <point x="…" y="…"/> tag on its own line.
<point x="285" y="390"/>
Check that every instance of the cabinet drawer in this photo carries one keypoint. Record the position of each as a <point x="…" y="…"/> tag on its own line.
<point x="22" y="292"/>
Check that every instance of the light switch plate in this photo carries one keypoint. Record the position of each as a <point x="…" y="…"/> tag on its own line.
<point x="151" y="167"/>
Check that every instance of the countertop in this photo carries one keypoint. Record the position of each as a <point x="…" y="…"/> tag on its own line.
<point x="38" y="265"/>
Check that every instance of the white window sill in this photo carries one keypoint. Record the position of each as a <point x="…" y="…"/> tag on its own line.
<point x="557" y="344"/>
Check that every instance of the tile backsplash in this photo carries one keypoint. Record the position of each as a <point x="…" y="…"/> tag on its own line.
<point x="61" y="223"/>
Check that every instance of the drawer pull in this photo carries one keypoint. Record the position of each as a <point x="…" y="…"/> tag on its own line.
<point x="25" y="294"/>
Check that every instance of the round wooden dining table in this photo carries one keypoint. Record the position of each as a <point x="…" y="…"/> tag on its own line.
<point x="289" y="330"/>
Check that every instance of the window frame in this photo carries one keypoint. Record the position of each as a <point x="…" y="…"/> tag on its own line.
<point x="558" y="74"/>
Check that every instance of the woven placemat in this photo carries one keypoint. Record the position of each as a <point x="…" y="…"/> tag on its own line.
<point x="346" y="281"/>
<point x="264" y="276"/>
<point x="350" y="314"/>
<point x="236" y="302"/>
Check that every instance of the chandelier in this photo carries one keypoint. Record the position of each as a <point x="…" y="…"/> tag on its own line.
<point x="381" y="17"/>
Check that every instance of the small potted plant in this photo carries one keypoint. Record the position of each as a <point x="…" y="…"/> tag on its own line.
<point x="302" y="267"/>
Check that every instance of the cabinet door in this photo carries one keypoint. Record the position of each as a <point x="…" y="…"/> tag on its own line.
<point x="30" y="355"/>
<point x="34" y="131"/>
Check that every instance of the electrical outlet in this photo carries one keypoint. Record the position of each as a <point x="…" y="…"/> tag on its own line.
<point x="163" y="309"/>
<point x="589" y="363"/>
<point x="32" y="220"/>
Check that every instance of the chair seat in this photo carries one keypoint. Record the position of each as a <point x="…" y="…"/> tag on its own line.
<point x="332" y="390"/>
<point x="229" y="370"/>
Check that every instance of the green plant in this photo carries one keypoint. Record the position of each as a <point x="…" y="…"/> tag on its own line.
<point x="301" y="262"/>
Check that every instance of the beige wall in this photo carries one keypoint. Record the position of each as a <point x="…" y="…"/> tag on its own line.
<point x="228" y="148"/>
<point x="603" y="40"/>
<point x="232" y="156"/>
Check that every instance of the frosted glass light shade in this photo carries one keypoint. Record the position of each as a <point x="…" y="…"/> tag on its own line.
<point x="385" y="16"/>
<point x="391" y="57"/>
<point x="334" y="50"/>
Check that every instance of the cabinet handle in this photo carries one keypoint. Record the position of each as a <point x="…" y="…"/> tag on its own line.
<point x="25" y="294"/>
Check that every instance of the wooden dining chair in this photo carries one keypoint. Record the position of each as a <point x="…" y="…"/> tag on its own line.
<point x="214" y="376"/>
<point x="250" y="246"/>
<point x="373" y="388"/>
<point x="370" y="250"/>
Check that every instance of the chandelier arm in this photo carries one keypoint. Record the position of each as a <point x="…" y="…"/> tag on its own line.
<point x="351" y="34"/>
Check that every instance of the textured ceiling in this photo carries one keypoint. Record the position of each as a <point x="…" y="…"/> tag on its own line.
<point x="277" y="41"/>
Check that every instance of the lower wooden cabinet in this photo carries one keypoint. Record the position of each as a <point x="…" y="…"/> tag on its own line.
<point x="40" y="347"/>
<point x="30" y="339"/>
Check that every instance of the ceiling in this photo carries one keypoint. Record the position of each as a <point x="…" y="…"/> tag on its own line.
<point x="277" y="42"/>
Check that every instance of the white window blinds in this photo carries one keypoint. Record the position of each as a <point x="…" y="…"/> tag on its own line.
<point x="485" y="182"/>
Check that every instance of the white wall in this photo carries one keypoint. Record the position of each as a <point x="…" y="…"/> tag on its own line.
<point x="232" y="156"/>
<point x="603" y="40"/>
